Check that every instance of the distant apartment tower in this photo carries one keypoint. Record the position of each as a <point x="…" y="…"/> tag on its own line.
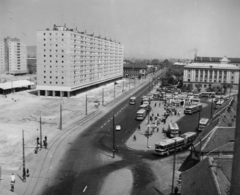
<point x="2" y="58"/>
<point x="69" y="60"/>
<point x="13" y="56"/>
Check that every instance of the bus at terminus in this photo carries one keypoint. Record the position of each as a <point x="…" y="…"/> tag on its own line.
<point x="132" y="100"/>
<point x="203" y="123"/>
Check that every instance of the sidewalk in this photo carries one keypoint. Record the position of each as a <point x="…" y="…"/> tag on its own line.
<point x="141" y="141"/>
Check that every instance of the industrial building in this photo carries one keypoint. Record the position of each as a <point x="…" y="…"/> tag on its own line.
<point x="69" y="60"/>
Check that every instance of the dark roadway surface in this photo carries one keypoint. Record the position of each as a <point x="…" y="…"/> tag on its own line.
<point x="82" y="165"/>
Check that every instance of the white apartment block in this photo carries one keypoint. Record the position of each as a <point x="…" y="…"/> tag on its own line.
<point x="13" y="56"/>
<point x="2" y="58"/>
<point x="69" y="60"/>
<point x="17" y="58"/>
<point x="207" y="74"/>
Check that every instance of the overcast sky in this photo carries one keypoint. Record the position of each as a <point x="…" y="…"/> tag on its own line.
<point x="146" y="28"/>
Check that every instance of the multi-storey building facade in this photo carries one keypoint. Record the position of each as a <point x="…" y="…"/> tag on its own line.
<point x="14" y="56"/>
<point x="2" y="58"/>
<point x="207" y="74"/>
<point x="135" y="70"/>
<point x="69" y="60"/>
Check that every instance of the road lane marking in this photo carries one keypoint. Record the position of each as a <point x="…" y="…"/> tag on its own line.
<point x="85" y="188"/>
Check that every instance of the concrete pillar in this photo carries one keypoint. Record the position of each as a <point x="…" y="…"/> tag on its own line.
<point x="39" y="92"/>
<point x="46" y="93"/>
<point x="53" y="93"/>
<point x="68" y="94"/>
<point x="61" y="93"/>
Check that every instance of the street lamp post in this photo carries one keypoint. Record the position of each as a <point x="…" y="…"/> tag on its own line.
<point x="114" y="89"/>
<point x="113" y="137"/>
<point x="24" y="169"/>
<point x="86" y="103"/>
<point x="103" y="96"/>
<point x="129" y="83"/>
<point x="174" y="162"/>
<point x="212" y="108"/>
<point x="199" y="115"/>
<point x="60" y="125"/>
<point x="41" y="130"/>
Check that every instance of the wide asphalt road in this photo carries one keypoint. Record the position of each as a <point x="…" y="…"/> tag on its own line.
<point x="83" y="164"/>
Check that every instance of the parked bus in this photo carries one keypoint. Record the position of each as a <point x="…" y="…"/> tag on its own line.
<point x="189" y="137"/>
<point x="156" y="96"/>
<point x="132" y="100"/>
<point x="145" y="106"/>
<point x="203" y="123"/>
<point x="141" y="114"/>
<point x="173" y="130"/>
<point x="168" y="145"/>
<point x="219" y="103"/>
<point x="208" y="94"/>
<point x="195" y="101"/>
<point x="192" y="109"/>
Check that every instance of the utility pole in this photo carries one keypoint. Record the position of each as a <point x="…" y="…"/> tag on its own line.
<point x="102" y="96"/>
<point x="174" y="162"/>
<point x="40" y="131"/>
<point x="129" y="83"/>
<point x="123" y="85"/>
<point x="24" y="171"/>
<point x="113" y="137"/>
<point x="199" y="114"/>
<point x="60" y="125"/>
<point x="86" y="103"/>
<point x="114" y="89"/>
<point x="211" y="108"/>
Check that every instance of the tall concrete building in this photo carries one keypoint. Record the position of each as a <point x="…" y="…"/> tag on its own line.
<point x="13" y="54"/>
<point x="69" y="60"/>
<point x="2" y="58"/>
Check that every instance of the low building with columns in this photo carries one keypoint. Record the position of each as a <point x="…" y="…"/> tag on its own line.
<point x="207" y="74"/>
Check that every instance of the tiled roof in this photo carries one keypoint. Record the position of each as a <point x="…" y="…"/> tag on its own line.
<point x="219" y="140"/>
<point x="135" y="66"/>
<point x="226" y="166"/>
<point x="205" y="178"/>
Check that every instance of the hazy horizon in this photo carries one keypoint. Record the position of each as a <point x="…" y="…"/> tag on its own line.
<point x="147" y="28"/>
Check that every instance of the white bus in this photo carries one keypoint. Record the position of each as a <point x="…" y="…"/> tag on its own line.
<point x="132" y="100"/>
<point x="168" y="145"/>
<point x="141" y="114"/>
<point x="173" y="130"/>
<point x="208" y="94"/>
<point x="189" y="137"/>
<point x="203" y="123"/>
<point x="192" y="109"/>
<point x="195" y="101"/>
<point x="219" y="103"/>
<point x="145" y="106"/>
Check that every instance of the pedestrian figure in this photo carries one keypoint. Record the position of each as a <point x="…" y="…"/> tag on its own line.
<point x="157" y="129"/>
<point x="27" y="173"/>
<point x="139" y="127"/>
<point x="176" y="190"/>
<point x="155" y="104"/>
<point x="134" y="138"/>
<point x="116" y="149"/>
<point x="13" y="178"/>
<point x="159" y="104"/>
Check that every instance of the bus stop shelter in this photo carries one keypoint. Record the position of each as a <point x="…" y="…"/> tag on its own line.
<point x="15" y="86"/>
